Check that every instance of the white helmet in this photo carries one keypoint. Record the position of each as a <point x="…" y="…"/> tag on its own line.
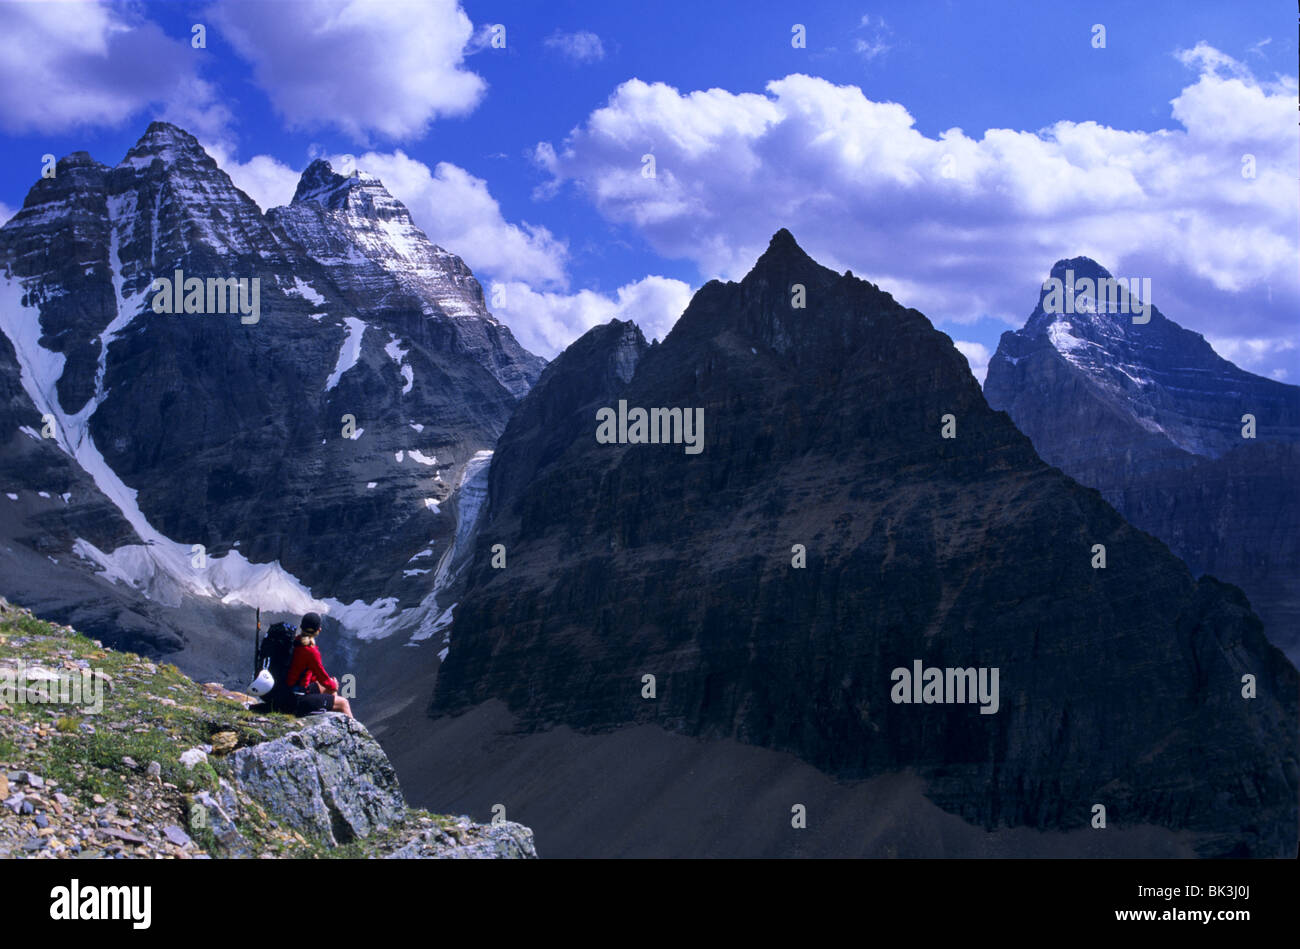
<point x="264" y="683"/>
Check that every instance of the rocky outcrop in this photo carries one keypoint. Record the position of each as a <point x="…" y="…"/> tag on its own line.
<point x="462" y="839"/>
<point x="150" y="764"/>
<point x="1150" y="416"/>
<point x="824" y="428"/>
<point x="329" y="779"/>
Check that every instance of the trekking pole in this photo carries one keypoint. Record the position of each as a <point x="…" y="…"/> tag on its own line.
<point x="257" y="641"/>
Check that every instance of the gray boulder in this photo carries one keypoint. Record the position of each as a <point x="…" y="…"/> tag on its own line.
<point x="330" y="779"/>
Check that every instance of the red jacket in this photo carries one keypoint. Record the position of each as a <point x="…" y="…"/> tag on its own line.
<point x="306" y="668"/>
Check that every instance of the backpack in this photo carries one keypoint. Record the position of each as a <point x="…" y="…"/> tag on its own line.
<point x="275" y="655"/>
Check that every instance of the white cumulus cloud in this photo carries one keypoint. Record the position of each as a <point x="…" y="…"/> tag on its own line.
<point x="366" y="67"/>
<point x="546" y="322"/>
<point x="962" y="226"/>
<point x="78" y="65"/>
<point x="265" y="179"/>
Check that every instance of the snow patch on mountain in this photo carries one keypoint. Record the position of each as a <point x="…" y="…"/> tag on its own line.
<point x="441" y="622"/>
<point x="349" y="352"/>
<point x="160" y="568"/>
<point x="303" y="289"/>
<point x="1062" y="340"/>
<point x="394" y="349"/>
<point x="398" y="355"/>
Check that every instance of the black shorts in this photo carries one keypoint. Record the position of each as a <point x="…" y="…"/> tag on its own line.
<point x="314" y="702"/>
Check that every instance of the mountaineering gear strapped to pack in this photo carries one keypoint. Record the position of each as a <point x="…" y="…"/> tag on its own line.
<point x="263" y="684"/>
<point x="274" y="655"/>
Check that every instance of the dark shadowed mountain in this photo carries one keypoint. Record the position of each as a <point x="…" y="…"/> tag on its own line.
<point x="823" y="427"/>
<point x="1150" y="416"/>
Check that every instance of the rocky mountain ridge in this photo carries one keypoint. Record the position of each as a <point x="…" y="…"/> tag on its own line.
<point x="1154" y="419"/>
<point x="343" y="417"/>
<point x="830" y="532"/>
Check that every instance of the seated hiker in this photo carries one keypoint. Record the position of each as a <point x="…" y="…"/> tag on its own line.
<point x="314" y="689"/>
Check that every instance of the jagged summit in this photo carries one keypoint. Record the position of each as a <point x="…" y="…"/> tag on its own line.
<point x="791" y="304"/>
<point x="1082" y="267"/>
<point x="361" y="203"/>
<point x="169" y="143"/>
<point x="1163" y="383"/>
<point x="1114" y="340"/>
<point x="321" y="184"/>
<point x="353" y="309"/>
<point x="1079" y="277"/>
<point x="79" y="159"/>
<point x="783" y="238"/>
<point x="164" y="133"/>
<point x="318" y="179"/>
<point x="380" y="258"/>
<point x="784" y="254"/>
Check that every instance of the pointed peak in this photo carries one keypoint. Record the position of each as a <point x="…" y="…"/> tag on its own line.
<point x="166" y="142"/>
<point x="317" y="182"/>
<point x="1081" y="267"/>
<point x="783" y="238"/>
<point x="323" y="185"/>
<point x="161" y="135"/>
<point x="783" y="252"/>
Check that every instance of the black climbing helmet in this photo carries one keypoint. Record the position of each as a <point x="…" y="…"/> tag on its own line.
<point x="310" y="623"/>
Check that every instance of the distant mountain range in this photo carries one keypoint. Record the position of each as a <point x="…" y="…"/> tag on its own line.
<point x="857" y="510"/>
<point x="314" y="449"/>
<point x="1153" y="418"/>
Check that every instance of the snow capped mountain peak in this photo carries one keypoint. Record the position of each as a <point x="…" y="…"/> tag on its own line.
<point x="1162" y="378"/>
<point x="380" y="259"/>
<point x="360" y="193"/>
<point x="360" y="205"/>
<point x="320" y="183"/>
<point x="167" y="142"/>
<point x="337" y="272"/>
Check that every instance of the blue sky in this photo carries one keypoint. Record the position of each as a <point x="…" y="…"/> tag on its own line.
<point x="527" y="160"/>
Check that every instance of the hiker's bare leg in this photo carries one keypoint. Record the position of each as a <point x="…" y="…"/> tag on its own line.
<point x="341" y="705"/>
